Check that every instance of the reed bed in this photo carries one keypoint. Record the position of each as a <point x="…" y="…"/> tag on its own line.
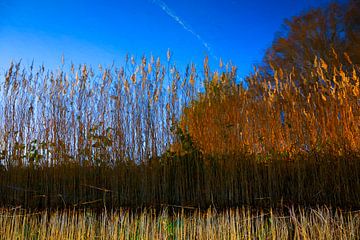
<point x="240" y="223"/>
<point x="146" y="134"/>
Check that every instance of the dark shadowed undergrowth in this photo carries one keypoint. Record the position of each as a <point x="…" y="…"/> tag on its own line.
<point x="189" y="181"/>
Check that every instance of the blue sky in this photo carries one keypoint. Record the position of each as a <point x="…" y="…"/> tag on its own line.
<point x="100" y="32"/>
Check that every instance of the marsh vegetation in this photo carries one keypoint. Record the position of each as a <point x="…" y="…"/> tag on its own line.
<point x="285" y="143"/>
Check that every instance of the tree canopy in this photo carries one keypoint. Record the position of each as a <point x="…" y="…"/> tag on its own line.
<point x="331" y="34"/>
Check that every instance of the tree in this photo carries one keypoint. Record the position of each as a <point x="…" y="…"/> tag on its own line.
<point x="331" y="34"/>
<point x="352" y="28"/>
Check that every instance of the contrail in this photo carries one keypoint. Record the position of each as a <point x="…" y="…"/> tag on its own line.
<point x="173" y="15"/>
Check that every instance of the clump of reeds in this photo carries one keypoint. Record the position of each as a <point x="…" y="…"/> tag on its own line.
<point x="89" y="116"/>
<point x="287" y="113"/>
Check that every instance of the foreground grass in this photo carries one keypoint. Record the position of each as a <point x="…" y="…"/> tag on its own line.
<point x="244" y="223"/>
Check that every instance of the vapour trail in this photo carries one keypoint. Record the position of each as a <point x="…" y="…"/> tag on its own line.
<point x="187" y="28"/>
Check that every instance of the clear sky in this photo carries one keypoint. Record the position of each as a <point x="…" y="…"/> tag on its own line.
<point x="100" y="31"/>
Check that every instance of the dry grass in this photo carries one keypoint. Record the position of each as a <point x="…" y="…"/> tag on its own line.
<point x="320" y="223"/>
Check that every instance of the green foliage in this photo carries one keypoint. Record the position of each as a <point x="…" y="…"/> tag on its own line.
<point x="34" y="156"/>
<point x="101" y="142"/>
<point x="185" y="140"/>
